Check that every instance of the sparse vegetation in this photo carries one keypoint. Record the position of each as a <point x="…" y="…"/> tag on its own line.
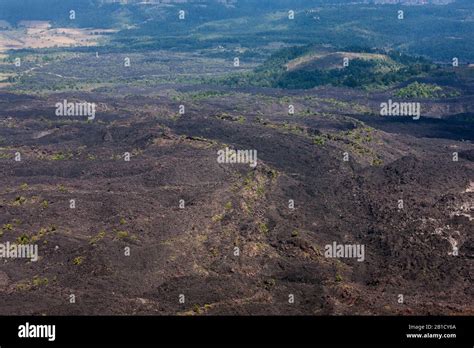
<point x="247" y="236"/>
<point x="318" y="140"/>
<point x="77" y="261"/>
<point x="263" y="227"/>
<point x="8" y="227"/>
<point x="424" y="90"/>
<point x="23" y="239"/>
<point x="122" y="234"/>
<point x="377" y="162"/>
<point x="228" y="206"/>
<point x="61" y="156"/>
<point x="94" y="240"/>
<point x="39" y="281"/>
<point x="217" y="217"/>
<point x="20" y="200"/>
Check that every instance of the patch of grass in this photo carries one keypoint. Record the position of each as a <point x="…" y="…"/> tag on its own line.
<point x="38" y="281"/>
<point x="421" y="90"/>
<point x="41" y="233"/>
<point x="23" y="286"/>
<point x="23" y="239"/>
<point x="78" y="260"/>
<point x="196" y="309"/>
<point x="8" y="227"/>
<point x="94" y="240"/>
<point x="217" y="218"/>
<point x="228" y="206"/>
<point x="273" y="174"/>
<point x="263" y="228"/>
<point x="20" y="200"/>
<point x="116" y="157"/>
<point x="269" y="283"/>
<point x="122" y="234"/>
<point x="377" y="162"/>
<point x="58" y="157"/>
<point x="203" y="95"/>
<point x="318" y="140"/>
<point x="5" y="155"/>
<point x="248" y="182"/>
<point x="247" y="207"/>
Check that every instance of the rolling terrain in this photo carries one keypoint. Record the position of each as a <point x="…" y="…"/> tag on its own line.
<point x="156" y="216"/>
